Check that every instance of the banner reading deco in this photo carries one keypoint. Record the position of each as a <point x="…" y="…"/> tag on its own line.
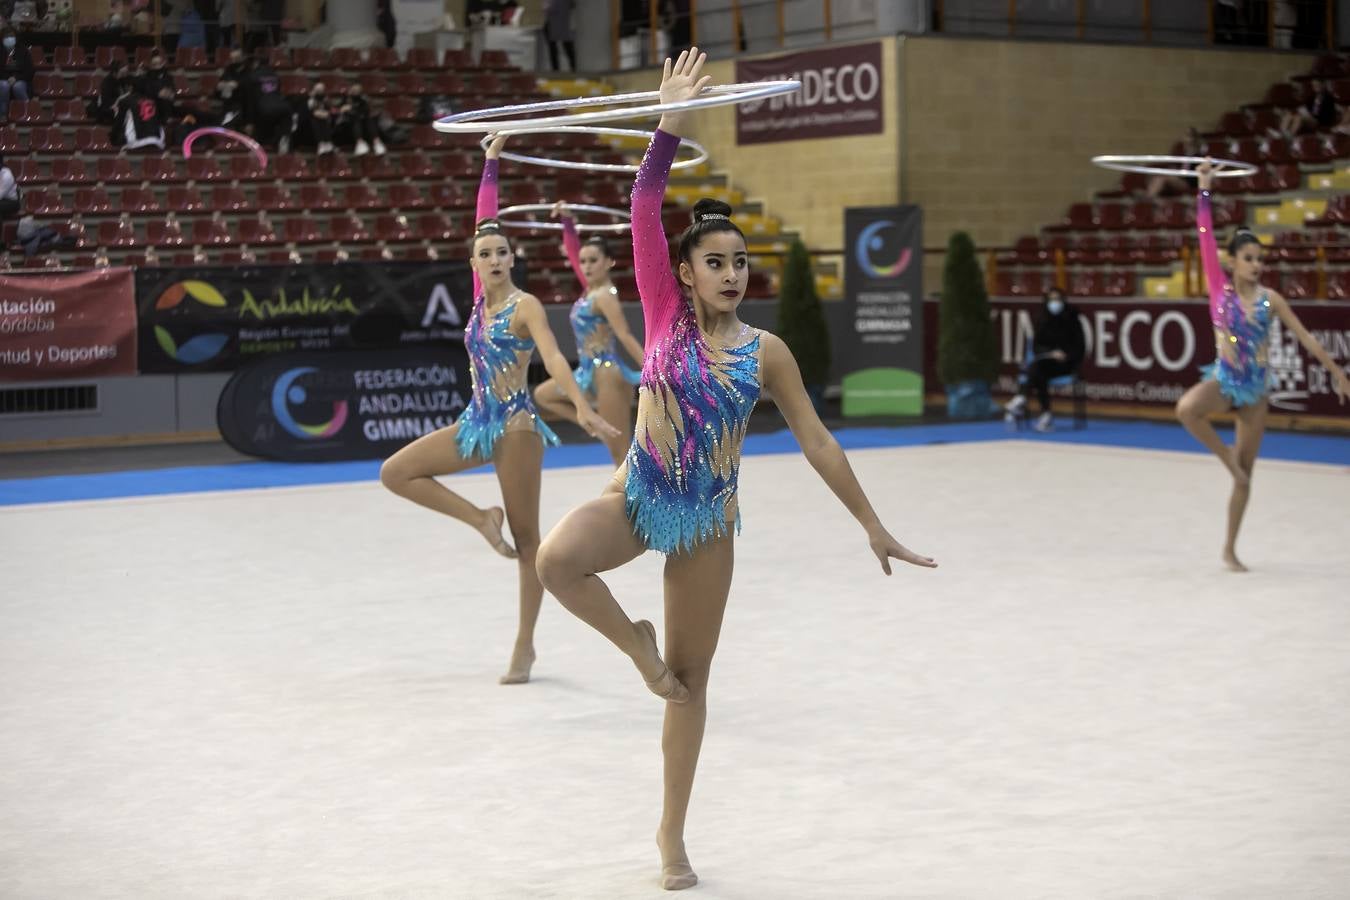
<point x="360" y="404"/>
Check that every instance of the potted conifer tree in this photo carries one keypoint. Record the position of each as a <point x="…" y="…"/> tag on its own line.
<point x="967" y="360"/>
<point x="801" y="322"/>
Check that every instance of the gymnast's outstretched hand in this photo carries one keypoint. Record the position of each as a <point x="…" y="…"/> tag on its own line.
<point x="888" y="548"/>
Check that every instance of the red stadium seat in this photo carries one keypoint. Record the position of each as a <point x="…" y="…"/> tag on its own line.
<point x="1027" y="284"/>
<point x="92" y="140"/>
<point x="276" y="197"/>
<point x="1299" y="284"/>
<point x="393" y="228"/>
<point x="303" y="230"/>
<point x="139" y="200"/>
<point x="184" y="198"/>
<point x="105" y="56"/>
<point x="363" y="196"/>
<point x="377" y="168"/>
<point x="436" y="227"/>
<point x="93" y="201"/>
<point x="418" y="165"/>
<point x="120" y="233"/>
<point x="1111" y="216"/>
<point x="1338" y="284"/>
<point x="204" y="168"/>
<point x="246" y="168"/>
<point x="376" y="85"/>
<point x="333" y="165"/>
<point x="448" y="195"/>
<point x="1310" y="148"/>
<point x="192" y="58"/>
<point x="228" y="198"/>
<point x="347" y="228"/>
<point x="1120" y="284"/>
<point x="166" y="232"/>
<point x="28" y="112"/>
<point x="318" y="196"/>
<point x="423" y="58"/>
<point x="1087" y="283"/>
<point x="44" y="202"/>
<point x="253" y="231"/>
<point x="212" y="232"/>
<point x="115" y="169"/>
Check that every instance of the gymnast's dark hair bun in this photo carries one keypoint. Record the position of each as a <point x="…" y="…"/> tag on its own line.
<point x="708" y="208"/>
<point x="1241" y="238"/>
<point x="600" y="244"/>
<point x="488" y="228"/>
<point x="710" y="216"/>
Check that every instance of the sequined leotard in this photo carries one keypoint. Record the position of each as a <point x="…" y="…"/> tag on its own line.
<point x="499" y="362"/>
<point x="695" y="397"/>
<point x="1241" y="343"/>
<point x="595" y="338"/>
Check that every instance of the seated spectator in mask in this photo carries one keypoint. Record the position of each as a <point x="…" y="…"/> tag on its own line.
<point x="1057" y="348"/>
<point x="319" y="118"/>
<point x="267" y="114"/>
<point x="157" y="82"/>
<point x="356" y="124"/>
<point x="118" y="81"/>
<point x="138" y="122"/>
<point x="16" y="71"/>
<point x="230" y="88"/>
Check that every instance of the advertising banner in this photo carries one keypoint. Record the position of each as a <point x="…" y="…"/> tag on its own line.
<point x="841" y="95"/>
<point x="359" y="404"/>
<point x="882" y="347"/>
<point x="1149" y="352"/>
<point x="62" y="326"/>
<point x="216" y="318"/>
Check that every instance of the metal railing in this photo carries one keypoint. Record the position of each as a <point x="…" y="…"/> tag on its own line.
<point x="702" y="26"/>
<point x="1277" y="24"/>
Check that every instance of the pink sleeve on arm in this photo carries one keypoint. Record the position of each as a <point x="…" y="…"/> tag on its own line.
<point x="1209" y="259"/>
<point x="660" y="292"/>
<point x="572" y="242"/>
<point x="487" y="207"/>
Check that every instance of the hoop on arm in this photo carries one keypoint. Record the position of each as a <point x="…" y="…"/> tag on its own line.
<point x="1149" y="165"/>
<point x="700" y="152"/>
<point x="606" y="228"/>
<point x="473" y="121"/>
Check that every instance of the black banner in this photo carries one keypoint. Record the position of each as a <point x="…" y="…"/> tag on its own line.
<point x="216" y="318"/>
<point x="883" y="290"/>
<point x="325" y="406"/>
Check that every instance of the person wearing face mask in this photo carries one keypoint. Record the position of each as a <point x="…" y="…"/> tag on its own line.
<point x="268" y="115"/>
<point x="16" y="71"/>
<point x="117" y="82"/>
<point x="319" y="116"/>
<point x="1241" y="311"/>
<point x="229" y="92"/>
<point x="157" y="83"/>
<point x="358" y="124"/>
<point x="1057" y="348"/>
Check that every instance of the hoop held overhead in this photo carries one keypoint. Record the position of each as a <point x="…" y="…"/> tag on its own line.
<point x="1223" y="168"/>
<point x="613" y="228"/>
<point x="700" y="152"/>
<point x="472" y="121"/>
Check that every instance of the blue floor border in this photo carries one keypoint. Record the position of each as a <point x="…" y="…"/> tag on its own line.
<point x="1293" y="446"/>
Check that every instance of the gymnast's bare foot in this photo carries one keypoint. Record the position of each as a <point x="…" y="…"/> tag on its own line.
<point x="1232" y="562"/>
<point x="491" y="528"/>
<point x="660" y="680"/>
<point x="521" y="662"/>
<point x="676" y="872"/>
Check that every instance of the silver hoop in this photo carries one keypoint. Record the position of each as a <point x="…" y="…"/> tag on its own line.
<point x="615" y="228"/>
<point x="1223" y="168"/>
<point x="716" y="95"/>
<point x="700" y="152"/>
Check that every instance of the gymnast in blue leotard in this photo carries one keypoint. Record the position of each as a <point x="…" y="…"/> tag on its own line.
<point x="1242" y="311"/>
<point x="499" y="425"/>
<point x="599" y="325"/>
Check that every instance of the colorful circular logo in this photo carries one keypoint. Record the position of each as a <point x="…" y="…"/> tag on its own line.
<point x="870" y="242"/>
<point x="199" y="348"/>
<point x="286" y="392"/>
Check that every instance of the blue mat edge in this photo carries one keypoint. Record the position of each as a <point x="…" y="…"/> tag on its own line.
<point x="1292" y="446"/>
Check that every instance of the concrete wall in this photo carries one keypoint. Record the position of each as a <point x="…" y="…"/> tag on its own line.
<point x="996" y="135"/>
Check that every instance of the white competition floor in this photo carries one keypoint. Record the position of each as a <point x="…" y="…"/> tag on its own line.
<point x="291" y="693"/>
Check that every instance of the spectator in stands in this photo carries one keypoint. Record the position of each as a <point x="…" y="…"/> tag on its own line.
<point x="558" y="33"/>
<point x="357" y="123"/>
<point x="209" y="15"/>
<point x="230" y="88"/>
<point x="138" y="121"/>
<point x="11" y="201"/>
<point x="1057" y="348"/>
<point x="157" y="82"/>
<point x="103" y="108"/>
<point x="35" y="238"/>
<point x="1318" y="113"/>
<point x="267" y="114"/>
<point x="319" y="118"/>
<point x="16" y="70"/>
<point x="1173" y="185"/>
<point x="384" y="20"/>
